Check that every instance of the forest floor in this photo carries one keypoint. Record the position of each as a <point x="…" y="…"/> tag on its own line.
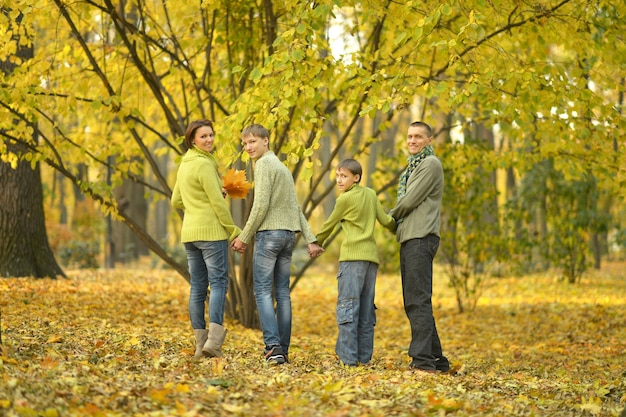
<point x="118" y="343"/>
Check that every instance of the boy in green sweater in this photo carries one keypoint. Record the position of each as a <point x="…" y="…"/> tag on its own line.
<point x="357" y="209"/>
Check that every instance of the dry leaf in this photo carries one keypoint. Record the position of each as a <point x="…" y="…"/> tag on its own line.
<point x="136" y="357"/>
<point x="55" y="339"/>
<point x="236" y="184"/>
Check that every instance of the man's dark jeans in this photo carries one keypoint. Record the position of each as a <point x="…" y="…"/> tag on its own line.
<point x="416" y="267"/>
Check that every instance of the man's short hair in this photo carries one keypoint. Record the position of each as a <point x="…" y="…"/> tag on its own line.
<point x="426" y="126"/>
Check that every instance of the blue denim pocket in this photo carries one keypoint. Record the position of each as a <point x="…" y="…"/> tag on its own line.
<point x="344" y="311"/>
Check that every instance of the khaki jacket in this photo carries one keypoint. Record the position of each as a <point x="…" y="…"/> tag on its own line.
<point x="420" y="207"/>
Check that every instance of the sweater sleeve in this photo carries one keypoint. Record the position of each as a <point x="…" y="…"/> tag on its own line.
<point x="386" y="220"/>
<point x="421" y="184"/>
<point x="260" y="207"/>
<point x="307" y="233"/>
<point x="177" y="200"/>
<point x="332" y="221"/>
<point x="211" y="183"/>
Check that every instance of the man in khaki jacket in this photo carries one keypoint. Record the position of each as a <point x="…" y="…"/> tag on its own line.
<point x="417" y="213"/>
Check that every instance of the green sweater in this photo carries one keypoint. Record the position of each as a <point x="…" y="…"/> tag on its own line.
<point x="198" y="191"/>
<point x="275" y="205"/>
<point x="420" y="207"/>
<point x="357" y="209"/>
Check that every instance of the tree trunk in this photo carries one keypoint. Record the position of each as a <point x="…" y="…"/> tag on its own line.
<point x="449" y="252"/>
<point x="24" y="248"/>
<point x="62" y="205"/>
<point x="159" y="220"/>
<point x="330" y="135"/>
<point x="240" y="302"/>
<point x="131" y="200"/>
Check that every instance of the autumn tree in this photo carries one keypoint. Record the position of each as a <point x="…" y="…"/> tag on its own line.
<point x="24" y="248"/>
<point x="122" y="80"/>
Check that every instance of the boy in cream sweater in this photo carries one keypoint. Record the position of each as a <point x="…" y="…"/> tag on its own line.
<point x="274" y="220"/>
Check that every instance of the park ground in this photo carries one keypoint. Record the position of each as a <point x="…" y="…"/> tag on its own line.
<point x="118" y="343"/>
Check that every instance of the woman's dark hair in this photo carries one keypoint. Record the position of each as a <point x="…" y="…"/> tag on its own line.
<point x="190" y="133"/>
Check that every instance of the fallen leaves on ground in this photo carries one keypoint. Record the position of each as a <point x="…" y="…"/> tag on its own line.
<point x="117" y="343"/>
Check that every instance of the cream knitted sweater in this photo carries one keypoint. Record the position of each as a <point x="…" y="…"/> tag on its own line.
<point x="275" y="205"/>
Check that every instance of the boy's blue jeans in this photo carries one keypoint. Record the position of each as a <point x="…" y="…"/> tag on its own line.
<point x="208" y="267"/>
<point x="272" y="267"/>
<point x="356" y="313"/>
<point x="416" y="267"/>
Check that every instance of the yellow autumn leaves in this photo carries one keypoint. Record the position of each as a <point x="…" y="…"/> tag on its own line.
<point x="235" y="183"/>
<point x="118" y="342"/>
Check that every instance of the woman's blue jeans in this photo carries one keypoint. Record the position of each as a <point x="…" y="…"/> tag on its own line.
<point x="356" y="313"/>
<point x="416" y="267"/>
<point x="208" y="267"/>
<point x="272" y="267"/>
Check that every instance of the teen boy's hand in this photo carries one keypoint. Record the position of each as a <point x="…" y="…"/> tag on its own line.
<point x="238" y="246"/>
<point x="314" y="249"/>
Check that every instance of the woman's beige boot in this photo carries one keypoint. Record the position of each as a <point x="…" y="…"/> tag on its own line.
<point x="213" y="345"/>
<point x="201" y="337"/>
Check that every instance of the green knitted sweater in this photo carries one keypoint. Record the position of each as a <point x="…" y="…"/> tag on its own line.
<point x="198" y="191"/>
<point x="275" y="205"/>
<point x="357" y="209"/>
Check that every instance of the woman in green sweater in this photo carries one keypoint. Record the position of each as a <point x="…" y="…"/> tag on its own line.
<point x="207" y="229"/>
<point x="357" y="209"/>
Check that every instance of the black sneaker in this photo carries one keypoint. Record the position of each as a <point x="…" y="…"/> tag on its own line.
<point x="275" y="355"/>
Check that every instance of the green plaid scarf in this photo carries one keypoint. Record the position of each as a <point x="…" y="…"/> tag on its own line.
<point x="413" y="162"/>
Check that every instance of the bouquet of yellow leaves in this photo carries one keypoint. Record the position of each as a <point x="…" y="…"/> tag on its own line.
<point x="235" y="183"/>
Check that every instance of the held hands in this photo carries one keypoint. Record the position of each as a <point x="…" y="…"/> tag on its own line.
<point x="314" y="250"/>
<point x="238" y="246"/>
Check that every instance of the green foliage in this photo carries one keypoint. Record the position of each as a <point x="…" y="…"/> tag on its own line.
<point x="567" y="213"/>
<point x="78" y="246"/>
<point x="620" y="239"/>
<point x="79" y="254"/>
<point x="75" y="247"/>
<point x="471" y="236"/>
<point x="571" y="214"/>
<point x="388" y="251"/>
